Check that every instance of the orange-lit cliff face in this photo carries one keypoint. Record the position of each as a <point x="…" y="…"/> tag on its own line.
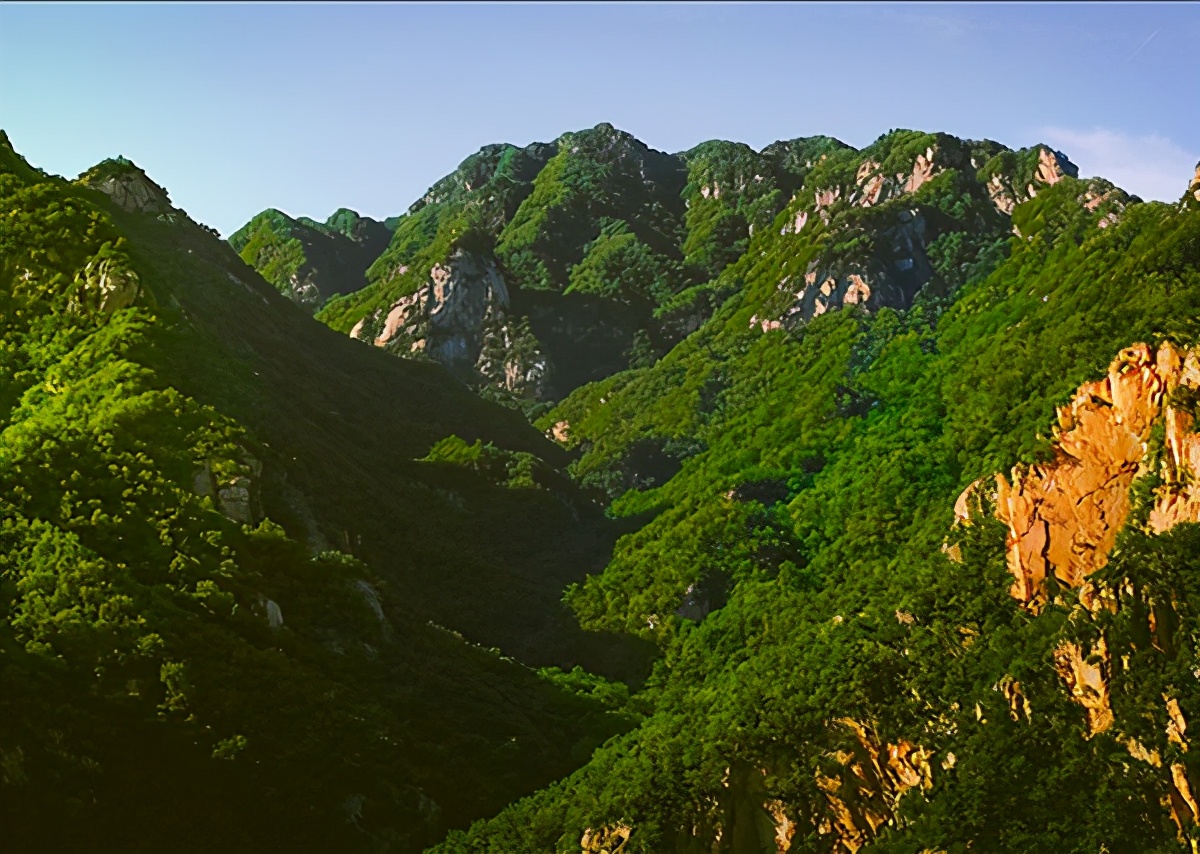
<point x="1063" y="519"/>
<point x="857" y="802"/>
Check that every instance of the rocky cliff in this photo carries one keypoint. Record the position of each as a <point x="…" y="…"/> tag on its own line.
<point x="130" y="188"/>
<point x="1063" y="516"/>
<point x="1135" y="428"/>
<point x="459" y="315"/>
<point x="1191" y="199"/>
<point x="889" y="214"/>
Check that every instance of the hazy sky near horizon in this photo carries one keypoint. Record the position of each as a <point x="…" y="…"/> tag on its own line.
<point x="310" y="107"/>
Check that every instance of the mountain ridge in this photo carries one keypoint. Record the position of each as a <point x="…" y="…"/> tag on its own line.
<point x="662" y="222"/>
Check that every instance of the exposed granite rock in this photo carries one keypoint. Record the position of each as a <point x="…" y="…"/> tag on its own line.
<point x="234" y="500"/>
<point x="236" y="497"/>
<point x="273" y="612"/>
<point x="1018" y="703"/>
<point x="1184" y="807"/>
<point x="371" y="597"/>
<point x="875" y="776"/>
<point x="890" y="275"/>
<point x="1001" y="194"/>
<point x="444" y="319"/>
<point x="460" y="317"/>
<point x="129" y="187"/>
<point x="872" y="187"/>
<point x="1191" y="199"/>
<point x="923" y="172"/>
<point x="1086" y="677"/>
<point x="1063" y="517"/>
<point x="859" y="801"/>
<point x="1052" y="167"/>
<point x="870" y="181"/>
<point x="606" y="840"/>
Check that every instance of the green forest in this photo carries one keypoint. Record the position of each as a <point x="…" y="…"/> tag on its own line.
<point x="731" y="578"/>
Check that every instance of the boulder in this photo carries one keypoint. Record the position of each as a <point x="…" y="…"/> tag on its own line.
<point x="106" y="285"/>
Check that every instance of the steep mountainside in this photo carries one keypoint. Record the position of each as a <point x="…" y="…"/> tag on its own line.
<point x="311" y="261"/>
<point x="921" y="557"/>
<point x="235" y="582"/>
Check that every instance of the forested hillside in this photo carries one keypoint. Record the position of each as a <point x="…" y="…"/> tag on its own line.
<point x="902" y="603"/>
<point x="858" y="512"/>
<point x="311" y="261"/>
<point x="232" y="592"/>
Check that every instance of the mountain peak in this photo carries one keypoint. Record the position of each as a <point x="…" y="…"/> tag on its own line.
<point x="128" y="185"/>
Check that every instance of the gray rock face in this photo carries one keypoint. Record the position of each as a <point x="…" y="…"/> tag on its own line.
<point x="890" y="275"/>
<point x="274" y="614"/>
<point x="460" y="318"/>
<point x="371" y="597"/>
<point x="445" y="317"/>
<point x="234" y="500"/>
<point x="133" y="191"/>
<point x="237" y="498"/>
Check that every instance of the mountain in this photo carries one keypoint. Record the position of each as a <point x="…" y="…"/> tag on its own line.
<point x="917" y="528"/>
<point x="252" y="596"/>
<point x="531" y="271"/>
<point x="311" y="261"/>
<point x="858" y="512"/>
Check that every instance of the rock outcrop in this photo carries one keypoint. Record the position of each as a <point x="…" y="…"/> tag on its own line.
<point x="606" y="840"/>
<point x="863" y="797"/>
<point x="873" y="187"/>
<point x="889" y="274"/>
<point x="879" y="259"/>
<point x="459" y="317"/>
<point x="1086" y="677"/>
<point x="128" y="186"/>
<point x="236" y="496"/>
<point x="1006" y="190"/>
<point x="860" y="799"/>
<point x="105" y="285"/>
<point x="1191" y="199"/>
<point x="1063" y="517"/>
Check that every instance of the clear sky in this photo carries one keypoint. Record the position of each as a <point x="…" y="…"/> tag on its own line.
<point x="310" y="107"/>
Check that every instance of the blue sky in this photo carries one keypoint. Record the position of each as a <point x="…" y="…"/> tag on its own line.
<point x="309" y="107"/>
